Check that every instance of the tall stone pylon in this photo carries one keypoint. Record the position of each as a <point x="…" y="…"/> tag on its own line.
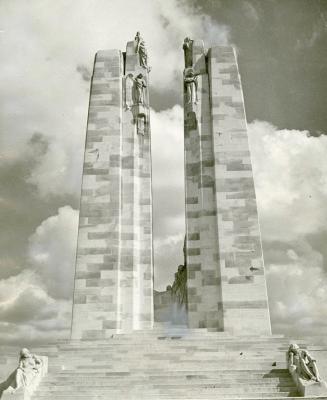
<point x="114" y="268"/>
<point x="226" y="277"/>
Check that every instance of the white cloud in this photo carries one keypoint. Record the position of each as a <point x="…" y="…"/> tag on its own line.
<point x="310" y="39"/>
<point x="168" y="147"/>
<point x="27" y="312"/>
<point x="297" y="292"/>
<point x="291" y="184"/>
<point x="59" y="170"/>
<point x="250" y="12"/>
<point x="52" y="251"/>
<point x="168" y="253"/>
<point x="291" y="180"/>
<point x="168" y="192"/>
<point x="35" y="305"/>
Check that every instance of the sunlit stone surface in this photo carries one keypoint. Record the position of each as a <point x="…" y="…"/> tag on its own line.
<point x="114" y="268"/>
<point x="226" y="279"/>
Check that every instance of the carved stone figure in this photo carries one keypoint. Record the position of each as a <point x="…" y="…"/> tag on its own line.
<point x="28" y="369"/>
<point x="179" y="290"/>
<point x="129" y="84"/>
<point x="141" y="124"/>
<point x="140" y="49"/>
<point x="138" y="89"/>
<point x="191" y="121"/>
<point x="301" y="362"/>
<point x="191" y="86"/>
<point x="187" y="47"/>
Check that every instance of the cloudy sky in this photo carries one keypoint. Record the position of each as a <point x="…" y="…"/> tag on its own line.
<point x="47" y="54"/>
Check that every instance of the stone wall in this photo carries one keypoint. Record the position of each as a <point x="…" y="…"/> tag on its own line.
<point x="226" y="279"/>
<point x="114" y="267"/>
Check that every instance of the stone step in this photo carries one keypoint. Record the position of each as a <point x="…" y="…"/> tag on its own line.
<point x="71" y="375"/>
<point x="124" y="395"/>
<point x="167" y="341"/>
<point x="171" y="343"/>
<point x="181" y="336"/>
<point x="171" y="346"/>
<point x="170" y="378"/>
<point x="163" y="387"/>
<point x="189" y="382"/>
<point x="175" y="347"/>
<point x="167" y="364"/>
<point x="151" y="383"/>
<point x="172" y="359"/>
<point x="153" y="365"/>
<point x="183" y="396"/>
<point x="205" y="338"/>
<point x="255" y="374"/>
<point x="165" y="379"/>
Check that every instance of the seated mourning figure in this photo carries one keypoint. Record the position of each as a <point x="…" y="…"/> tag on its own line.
<point x="304" y="370"/>
<point x="179" y="289"/>
<point x="25" y="376"/>
<point x="179" y="296"/>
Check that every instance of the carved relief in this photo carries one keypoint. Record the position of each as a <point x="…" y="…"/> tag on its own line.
<point x="190" y="121"/>
<point x="141" y="121"/>
<point x="129" y="83"/>
<point x="138" y="90"/>
<point x="191" y="86"/>
<point x="135" y="100"/>
<point x="140" y="49"/>
<point x="134" y="91"/>
<point x="188" y="56"/>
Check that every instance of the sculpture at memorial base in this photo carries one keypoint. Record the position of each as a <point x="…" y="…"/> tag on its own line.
<point x="179" y="289"/>
<point x="191" y="86"/>
<point x="140" y="49"/>
<point x="187" y="47"/>
<point x="29" y="368"/>
<point x="304" y="371"/>
<point x="302" y="363"/>
<point x="138" y="89"/>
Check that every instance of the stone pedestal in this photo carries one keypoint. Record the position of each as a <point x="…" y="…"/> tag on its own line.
<point x="114" y="267"/>
<point x="226" y="279"/>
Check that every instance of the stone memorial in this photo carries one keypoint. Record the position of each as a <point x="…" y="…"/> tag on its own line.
<point x="226" y="278"/>
<point x="212" y="338"/>
<point x="114" y="268"/>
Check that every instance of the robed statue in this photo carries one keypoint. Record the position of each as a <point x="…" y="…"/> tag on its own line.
<point x="140" y="49"/>
<point x="191" y="85"/>
<point x="139" y="89"/>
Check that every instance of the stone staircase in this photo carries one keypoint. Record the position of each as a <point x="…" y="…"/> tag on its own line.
<point x="178" y="364"/>
<point x="159" y="364"/>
